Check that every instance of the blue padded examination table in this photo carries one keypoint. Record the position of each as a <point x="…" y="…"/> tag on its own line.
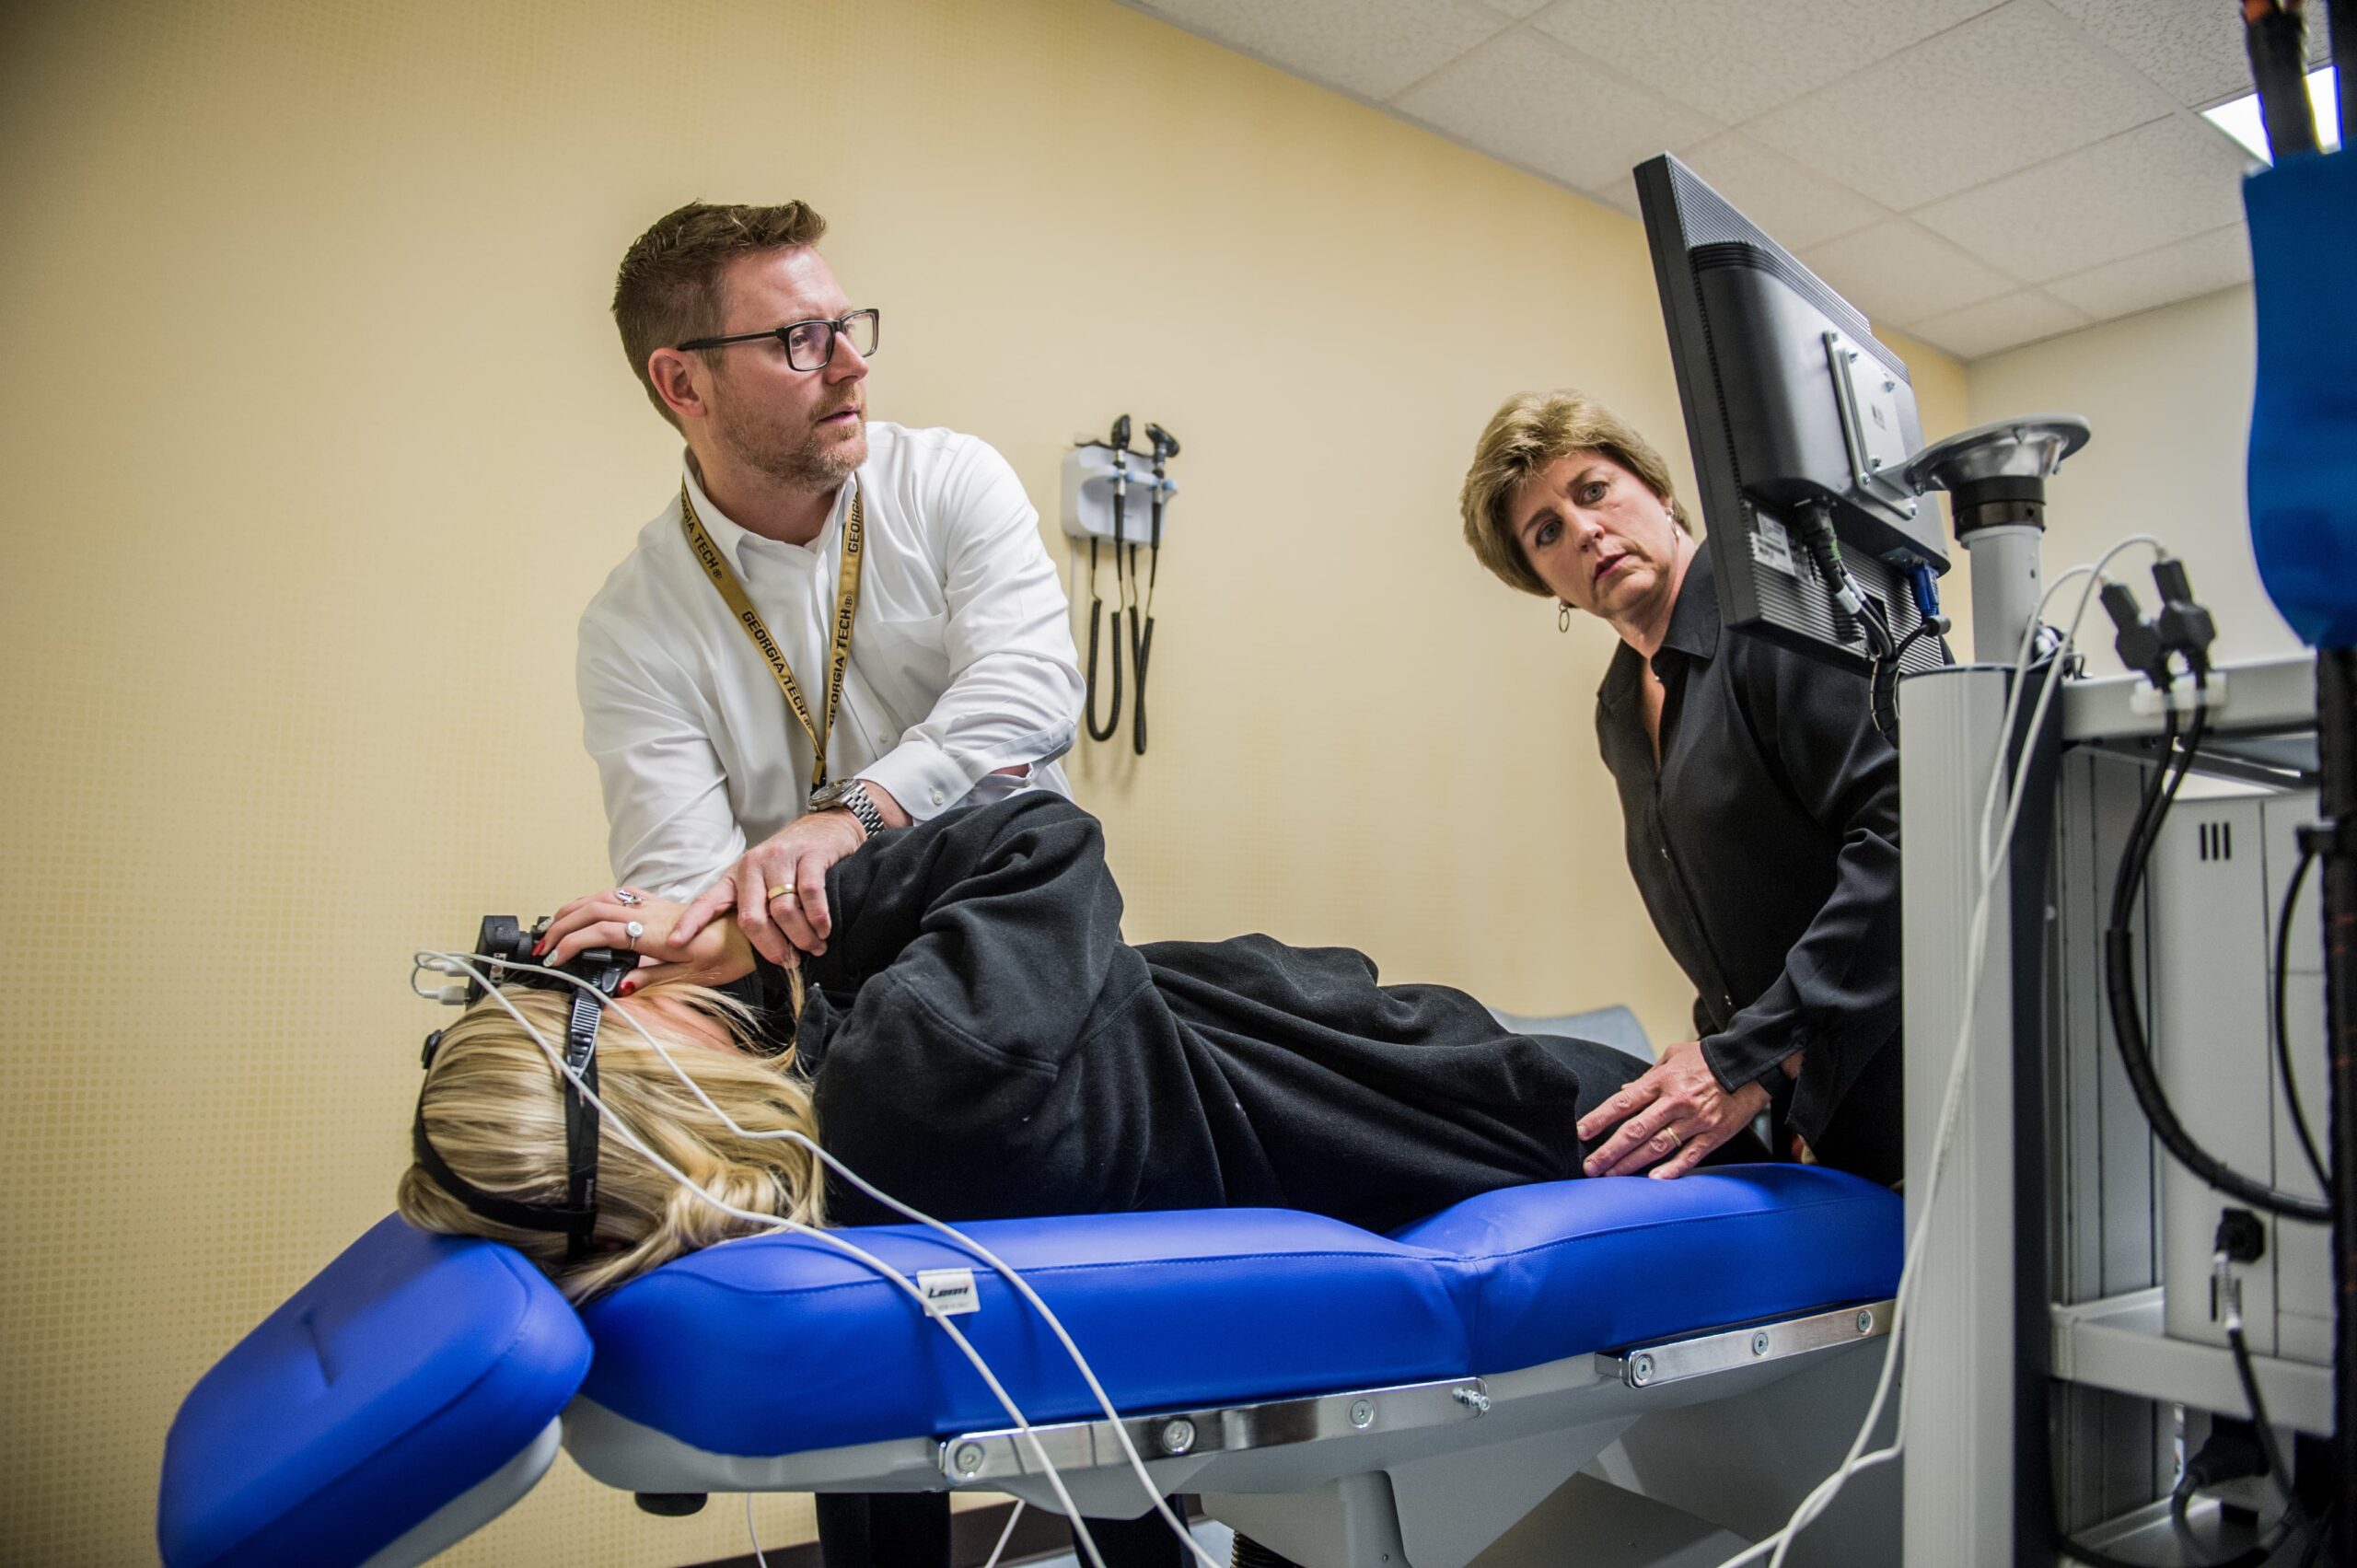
<point x="1643" y="1370"/>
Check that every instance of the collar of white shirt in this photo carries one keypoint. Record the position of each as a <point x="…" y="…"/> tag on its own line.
<point x="731" y="537"/>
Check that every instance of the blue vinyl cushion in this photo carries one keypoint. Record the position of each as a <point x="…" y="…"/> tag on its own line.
<point x="1570" y="1267"/>
<point x="409" y="1369"/>
<point x="415" y="1366"/>
<point x="777" y="1345"/>
<point x="780" y="1344"/>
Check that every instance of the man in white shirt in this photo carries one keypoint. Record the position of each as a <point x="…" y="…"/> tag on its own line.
<point x="819" y="584"/>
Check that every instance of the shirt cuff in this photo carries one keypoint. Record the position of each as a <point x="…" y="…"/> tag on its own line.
<point x="1736" y="1058"/>
<point x="923" y="778"/>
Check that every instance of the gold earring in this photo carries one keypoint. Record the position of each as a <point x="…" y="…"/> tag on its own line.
<point x="1562" y="615"/>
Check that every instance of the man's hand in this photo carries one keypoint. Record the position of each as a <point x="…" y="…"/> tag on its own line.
<point x="779" y="887"/>
<point x="1676" y="1114"/>
<point x="719" y="953"/>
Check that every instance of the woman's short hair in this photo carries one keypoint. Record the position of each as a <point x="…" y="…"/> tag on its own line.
<point x="494" y="1107"/>
<point x="1529" y="431"/>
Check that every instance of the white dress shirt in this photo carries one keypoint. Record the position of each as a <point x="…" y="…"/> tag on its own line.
<point x="961" y="662"/>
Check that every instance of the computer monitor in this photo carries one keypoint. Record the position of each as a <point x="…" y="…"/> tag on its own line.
<point x="1793" y="411"/>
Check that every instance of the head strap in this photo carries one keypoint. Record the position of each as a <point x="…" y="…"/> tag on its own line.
<point x="576" y="1217"/>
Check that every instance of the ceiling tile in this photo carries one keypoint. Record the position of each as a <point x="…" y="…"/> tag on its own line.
<point x="1734" y="60"/>
<point x="2012" y="88"/>
<point x="1900" y="274"/>
<point x="2145" y="188"/>
<point x="1526" y="98"/>
<point x="2192" y="49"/>
<point x="1796" y="207"/>
<point x="2007" y="321"/>
<point x="1621" y="196"/>
<point x="1373" y="48"/>
<point x="2200" y="265"/>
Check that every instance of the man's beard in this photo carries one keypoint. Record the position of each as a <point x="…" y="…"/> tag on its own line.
<point x="819" y="462"/>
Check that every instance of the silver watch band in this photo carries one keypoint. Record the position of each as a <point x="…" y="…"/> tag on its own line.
<point x="854" y="800"/>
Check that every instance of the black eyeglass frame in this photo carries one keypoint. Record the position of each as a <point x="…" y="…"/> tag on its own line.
<point x="835" y="329"/>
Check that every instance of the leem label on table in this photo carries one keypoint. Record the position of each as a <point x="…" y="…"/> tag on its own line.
<point x="950" y="1291"/>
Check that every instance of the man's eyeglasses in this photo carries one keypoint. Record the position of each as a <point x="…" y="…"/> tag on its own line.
<point x="809" y="345"/>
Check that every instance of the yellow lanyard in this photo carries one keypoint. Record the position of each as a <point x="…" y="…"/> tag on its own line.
<point x="715" y="566"/>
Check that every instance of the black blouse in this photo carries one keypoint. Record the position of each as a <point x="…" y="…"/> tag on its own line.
<point x="1766" y="847"/>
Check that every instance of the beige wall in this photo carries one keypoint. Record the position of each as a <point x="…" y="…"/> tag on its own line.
<point x="317" y="439"/>
<point x="2167" y="393"/>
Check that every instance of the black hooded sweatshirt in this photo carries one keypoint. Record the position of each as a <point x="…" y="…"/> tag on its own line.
<point x="984" y="1044"/>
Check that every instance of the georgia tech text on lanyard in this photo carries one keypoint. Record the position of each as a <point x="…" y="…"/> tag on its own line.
<point x="715" y="566"/>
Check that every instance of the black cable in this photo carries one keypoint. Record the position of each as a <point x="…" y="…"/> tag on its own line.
<point x="1096" y="609"/>
<point x="2231" y="1452"/>
<point x="2274" y="1450"/>
<point x="1165" y="446"/>
<point x="2252" y="1556"/>
<point x="1141" y="637"/>
<point x="2283" y="1035"/>
<point x="2127" y="1018"/>
<point x="1123" y="598"/>
<point x="1824" y="546"/>
<point x="2123" y="897"/>
<point x="1883" y="693"/>
<point x="1140" y="650"/>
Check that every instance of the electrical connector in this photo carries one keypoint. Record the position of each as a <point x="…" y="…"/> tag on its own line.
<point x="2185" y="627"/>
<point x="2231" y="1452"/>
<point x="2138" y="643"/>
<point x="2241" y="1236"/>
<point x="1920" y="578"/>
<point x="1815" y="525"/>
<point x="2241" y="1239"/>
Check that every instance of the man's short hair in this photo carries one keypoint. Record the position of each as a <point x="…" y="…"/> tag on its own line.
<point x="668" y="289"/>
<point x="1529" y="431"/>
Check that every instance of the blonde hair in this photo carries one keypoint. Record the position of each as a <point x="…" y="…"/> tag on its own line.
<point x="493" y="1108"/>
<point x="1529" y="431"/>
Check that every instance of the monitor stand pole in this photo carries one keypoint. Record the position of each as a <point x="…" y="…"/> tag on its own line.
<point x="1995" y="476"/>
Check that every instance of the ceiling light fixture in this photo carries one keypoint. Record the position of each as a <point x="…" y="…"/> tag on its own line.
<point x="2240" y="118"/>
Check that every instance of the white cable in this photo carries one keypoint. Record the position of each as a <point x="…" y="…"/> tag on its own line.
<point x="754" y="1535"/>
<point x="629" y="1138"/>
<point x="1006" y="1271"/>
<point x="1995" y="853"/>
<point x="1004" y="1536"/>
<point x="1995" y="859"/>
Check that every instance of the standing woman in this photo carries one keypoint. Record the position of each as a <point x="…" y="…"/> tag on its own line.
<point x="1760" y="807"/>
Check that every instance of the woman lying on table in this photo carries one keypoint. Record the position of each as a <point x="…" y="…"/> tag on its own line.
<point x="980" y="1042"/>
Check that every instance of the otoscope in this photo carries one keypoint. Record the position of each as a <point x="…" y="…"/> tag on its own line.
<point x="1165" y="446"/>
<point x="1121" y="444"/>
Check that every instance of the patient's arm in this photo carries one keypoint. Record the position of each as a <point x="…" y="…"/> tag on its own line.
<point x="717" y="955"/>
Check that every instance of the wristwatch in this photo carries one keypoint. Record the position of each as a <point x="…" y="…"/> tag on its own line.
<point x="850" y="795"/>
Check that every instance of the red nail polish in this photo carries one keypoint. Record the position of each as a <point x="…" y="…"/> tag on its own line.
<point x="628" y="986"/>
